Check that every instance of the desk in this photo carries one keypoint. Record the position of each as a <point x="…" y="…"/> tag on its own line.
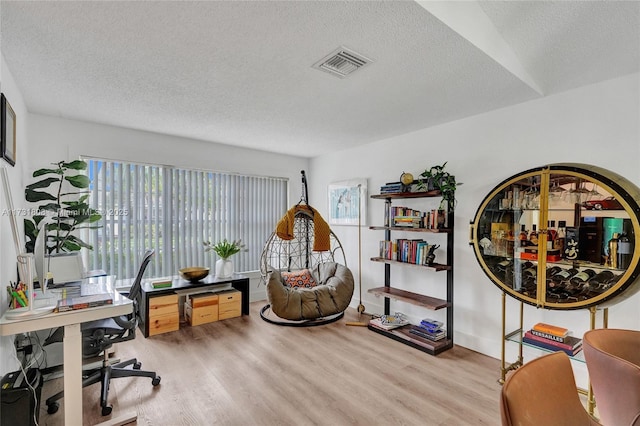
<point x="183" y="287"/>
<point x="72" y="344"/>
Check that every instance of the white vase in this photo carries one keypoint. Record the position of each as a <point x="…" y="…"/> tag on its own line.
<point x="224" y="268"/>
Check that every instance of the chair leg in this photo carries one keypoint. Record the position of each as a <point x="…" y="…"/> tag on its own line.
<point x="104" y="376"/>
<point x="104" y="391"/>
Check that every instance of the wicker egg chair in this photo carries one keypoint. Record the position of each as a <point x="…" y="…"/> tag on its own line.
<point x="302" y="241"/>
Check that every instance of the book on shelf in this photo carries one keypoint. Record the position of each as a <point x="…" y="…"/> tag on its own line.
<point x="390" y="324"/>
<point x="83" y="302"/>
<point x="430" y="335"/>
<point x="550" y="346"/>
<point x="431" y="324"/>
<point x="549" y="336"/>
<point x="551" y="329"/>
<point x="570" y="342"/>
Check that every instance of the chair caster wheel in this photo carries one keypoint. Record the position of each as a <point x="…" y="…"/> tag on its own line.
<point x="155" y="381"/>
<point x="137" y="366"/>
<point x="107" y="410"/>
<point x="53" y="408"/>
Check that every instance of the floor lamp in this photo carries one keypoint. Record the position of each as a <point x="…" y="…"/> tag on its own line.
<point x="361" y="307"/>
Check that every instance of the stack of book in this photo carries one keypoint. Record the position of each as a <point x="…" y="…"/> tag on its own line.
<point x="429" y="329"/>
<point x="553" y="338"/>
<point x="391" y="188"/>
<point x="83" y="302"/>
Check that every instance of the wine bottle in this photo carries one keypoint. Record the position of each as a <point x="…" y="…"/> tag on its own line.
<point x="552" y="271"/>
<point x="533" y="236"/>
<point x="562" y="276"/>
<point x="601" y="279"/>
<point x="624" y="251"/>
<point x="582" y="277"/>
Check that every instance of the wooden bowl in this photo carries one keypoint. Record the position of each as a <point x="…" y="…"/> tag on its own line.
<point x="194" y="273"/>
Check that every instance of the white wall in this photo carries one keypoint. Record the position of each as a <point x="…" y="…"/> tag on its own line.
<point x="598" y="125"/>
<point x="16" y="178"/>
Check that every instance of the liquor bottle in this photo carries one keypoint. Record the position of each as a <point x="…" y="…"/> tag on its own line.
<point x="600" y="279"/>
<point x="533" y="236"/>
<point x="612" y="246"/>
<point x="523" y="237"/>
<point x="561" y="236"/>
<point x="582" y="277"/>
<point x="552" y="234"/>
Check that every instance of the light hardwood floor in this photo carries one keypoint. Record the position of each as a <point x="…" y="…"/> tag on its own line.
<point x="244" y="371"/>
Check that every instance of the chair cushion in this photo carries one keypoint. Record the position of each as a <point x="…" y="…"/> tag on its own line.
<point x="330" y="296"/>
<point x="300" y="278"/>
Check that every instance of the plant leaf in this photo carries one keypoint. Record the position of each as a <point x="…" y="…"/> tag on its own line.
<point x="43" y="183"/>
<point x="36" y="196"/>
<point x="41" y="172"/>
<point x="78" y="181"/>
<point x="75" y="165"/>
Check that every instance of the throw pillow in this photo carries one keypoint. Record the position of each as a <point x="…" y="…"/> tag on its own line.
<point x="300" y="278"/>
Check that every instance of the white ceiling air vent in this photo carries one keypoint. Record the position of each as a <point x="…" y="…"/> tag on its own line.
<point x="342" y="62"/>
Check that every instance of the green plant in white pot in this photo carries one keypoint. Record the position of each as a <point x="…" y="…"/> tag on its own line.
<point x="224" y="249"/>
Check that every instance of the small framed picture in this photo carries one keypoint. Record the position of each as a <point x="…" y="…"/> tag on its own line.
<point x="8" y="131"/>
<point x="348" y="202"/>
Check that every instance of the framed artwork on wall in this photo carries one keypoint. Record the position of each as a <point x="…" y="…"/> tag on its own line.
<point x="348" y="202"/>
<point x="7" y="131"/>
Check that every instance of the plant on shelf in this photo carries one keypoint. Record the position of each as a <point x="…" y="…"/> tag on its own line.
<point x="436" y="178"/>
<point x="66" y="206"/>
<point x="224" y="248"/>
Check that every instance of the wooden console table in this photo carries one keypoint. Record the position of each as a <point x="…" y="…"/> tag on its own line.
<point x="180" y="287"/>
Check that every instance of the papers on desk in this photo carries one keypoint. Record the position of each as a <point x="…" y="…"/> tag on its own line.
<point x="83" y="302"/>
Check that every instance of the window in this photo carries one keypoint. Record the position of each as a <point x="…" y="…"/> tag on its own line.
<point x="174" y="210"/>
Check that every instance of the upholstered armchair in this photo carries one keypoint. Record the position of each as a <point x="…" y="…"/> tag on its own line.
<point x="613" y="361"/>
<point x="543" y="392"/>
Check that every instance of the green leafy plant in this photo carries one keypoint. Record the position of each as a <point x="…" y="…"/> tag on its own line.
<point x="224" y="248"/>
<point x="68" y="209"/>
<point x="436" y="178"/>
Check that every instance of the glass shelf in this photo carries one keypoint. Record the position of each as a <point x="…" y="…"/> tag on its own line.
<point x="516" y="337"/>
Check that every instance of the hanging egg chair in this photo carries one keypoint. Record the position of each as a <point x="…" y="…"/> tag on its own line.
<point x="304" y="267"/>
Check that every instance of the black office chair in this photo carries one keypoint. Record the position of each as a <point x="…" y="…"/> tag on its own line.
<point x="100" y="335"/>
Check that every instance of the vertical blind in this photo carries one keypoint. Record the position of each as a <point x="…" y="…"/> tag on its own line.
<point x="174" y="211"/>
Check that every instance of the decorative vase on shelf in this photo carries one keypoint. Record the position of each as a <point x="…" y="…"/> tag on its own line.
<point x="224" y="268"/>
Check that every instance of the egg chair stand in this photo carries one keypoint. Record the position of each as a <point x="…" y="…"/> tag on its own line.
<point x="295" y="246"/>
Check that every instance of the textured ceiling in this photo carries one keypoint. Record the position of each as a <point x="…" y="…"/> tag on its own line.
<point x="240" y="73"/>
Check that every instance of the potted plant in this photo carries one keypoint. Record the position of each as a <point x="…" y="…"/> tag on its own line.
<point x="224" y="249"/>
<point x="436" y="178"/>
<point x="68" y="208"/>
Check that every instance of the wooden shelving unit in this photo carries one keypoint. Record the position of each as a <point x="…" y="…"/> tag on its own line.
<point x="403" y="334"/>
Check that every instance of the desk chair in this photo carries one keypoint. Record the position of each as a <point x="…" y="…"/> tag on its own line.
<point x="100" y="335"/>
<point x="613" y="361"/>
<point x="543" y="392"/>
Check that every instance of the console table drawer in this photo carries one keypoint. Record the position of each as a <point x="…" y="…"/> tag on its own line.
<point x="164" y="315"/>
<point x="229" y="305"/>
<point x="163" y="304"/>
<point x="159" y="324"/>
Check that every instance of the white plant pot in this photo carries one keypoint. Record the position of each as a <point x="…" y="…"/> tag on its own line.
<point x="224" y="268"/>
